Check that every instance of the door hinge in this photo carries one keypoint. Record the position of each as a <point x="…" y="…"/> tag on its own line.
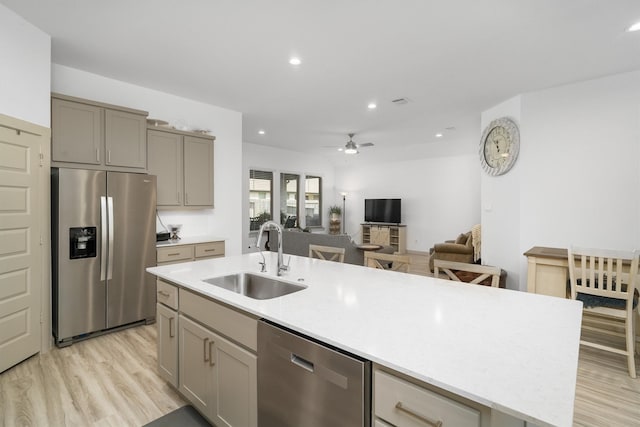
<point x="41" y="155"/>
<point x="41" y="240"/>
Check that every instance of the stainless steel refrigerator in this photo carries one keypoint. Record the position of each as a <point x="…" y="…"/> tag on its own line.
<point x="103" y="239"/>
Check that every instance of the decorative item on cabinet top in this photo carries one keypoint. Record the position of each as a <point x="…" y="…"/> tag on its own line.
<point x="163" y="125"/>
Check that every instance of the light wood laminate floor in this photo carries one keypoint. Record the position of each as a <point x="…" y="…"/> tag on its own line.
<point x="109" y="380"/>
<point x="112" y="381"/>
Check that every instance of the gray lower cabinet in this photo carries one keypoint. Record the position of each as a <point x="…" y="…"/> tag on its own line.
<point x="215" y="355"/>
<point x="189" y="252"/>
<point x="97" y="135"/>
<point x="399" y="401"/>
<point x="217" y="376"/>
<point x="167" y="324"/>
<point x="183" y="164"/>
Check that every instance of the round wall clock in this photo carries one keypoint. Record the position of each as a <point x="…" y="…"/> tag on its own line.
<point x="499" y="146"/>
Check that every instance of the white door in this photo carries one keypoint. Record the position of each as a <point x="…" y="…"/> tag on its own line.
<point x="20" y="249"/>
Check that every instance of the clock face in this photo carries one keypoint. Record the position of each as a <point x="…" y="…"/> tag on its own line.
<point x="499" y="146"/>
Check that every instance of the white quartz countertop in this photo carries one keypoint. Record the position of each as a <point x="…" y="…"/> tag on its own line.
<point x="190" y="240"/>
<point x="511" y="351"/>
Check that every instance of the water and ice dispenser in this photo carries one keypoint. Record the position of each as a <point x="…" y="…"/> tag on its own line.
<point x="82" y="242"/>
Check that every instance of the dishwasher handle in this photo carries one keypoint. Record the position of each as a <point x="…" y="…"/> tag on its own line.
<point x="302" y="362"/>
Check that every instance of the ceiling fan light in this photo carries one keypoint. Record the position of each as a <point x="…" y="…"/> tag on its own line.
<point x="351" y="148"/>
<point x="634" y="27"/>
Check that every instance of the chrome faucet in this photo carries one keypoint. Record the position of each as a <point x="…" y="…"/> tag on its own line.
<point x="281" y="266"/>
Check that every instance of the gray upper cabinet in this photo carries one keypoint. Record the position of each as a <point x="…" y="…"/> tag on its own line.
<point x="125" y="139"/>
<point x="96" y="135"/>
<point x="76" y="132"/>
<point x="164" y="159"/>
<point x="183" y="164"/>
<point x="198" y="172"/>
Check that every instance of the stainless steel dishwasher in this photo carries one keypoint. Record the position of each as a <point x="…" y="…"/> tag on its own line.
<point x="303" y="382"/>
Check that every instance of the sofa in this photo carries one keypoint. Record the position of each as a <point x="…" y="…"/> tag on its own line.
<point x="297" y="243"/>
<point x="458" y="250"/>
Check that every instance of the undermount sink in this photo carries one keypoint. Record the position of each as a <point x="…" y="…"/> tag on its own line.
<point x="254" y="286"/>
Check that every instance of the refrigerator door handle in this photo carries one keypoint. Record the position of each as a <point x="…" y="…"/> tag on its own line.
<point x="103" y="238"/>
<point x="110" y="211"/>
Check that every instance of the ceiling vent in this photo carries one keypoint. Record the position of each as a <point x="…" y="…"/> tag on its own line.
<point x="400" y="101"/>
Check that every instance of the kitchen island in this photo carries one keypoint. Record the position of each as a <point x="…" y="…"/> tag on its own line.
<point x="513" y="352"/>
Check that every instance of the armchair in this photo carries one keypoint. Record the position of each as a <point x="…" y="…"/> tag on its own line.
<point x="459" y="250"/>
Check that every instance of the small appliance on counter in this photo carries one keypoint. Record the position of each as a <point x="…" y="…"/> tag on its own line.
<point x="162" y="236"/>
<point x="175" y="229"/>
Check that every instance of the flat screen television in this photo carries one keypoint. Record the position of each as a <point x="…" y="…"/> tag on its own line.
<point x="382" y="210"/>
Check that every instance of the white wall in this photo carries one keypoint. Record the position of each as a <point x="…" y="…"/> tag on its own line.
<point x="577" y="178"/>
<point x="223" y="221"/>
<point x="25" y="54"/>
<point x="581" y="174"/>
<point x="501" y="203"/>
<point x="278" y="161"/>
<point x="440" y="195"/>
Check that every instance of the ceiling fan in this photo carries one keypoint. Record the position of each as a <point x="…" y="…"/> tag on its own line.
<point x="351" y="147"/>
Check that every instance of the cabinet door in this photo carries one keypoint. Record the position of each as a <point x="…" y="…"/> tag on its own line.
<point x="235" y="386"/>
<point x="167" y="323"/>
<point x="380" y="235"/>
<point x="125" y="139"/>
<point x="76" y="132"/>
<point x="165" y="161"/>
<point x="196" y="366"/>
<point x="198" y="172"/>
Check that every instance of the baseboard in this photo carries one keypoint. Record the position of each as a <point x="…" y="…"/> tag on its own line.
<point x="414" y="252"/>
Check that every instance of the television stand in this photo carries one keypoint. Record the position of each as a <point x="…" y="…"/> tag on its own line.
<point x="394" y="235"/>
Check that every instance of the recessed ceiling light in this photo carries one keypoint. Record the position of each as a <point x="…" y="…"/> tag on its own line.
<point x="340" y="149"/>
<point x="295" y="61"/>
<point x="372" y="106"/>
<point x="634" y="27"/>
<point x="261" y="132"/>
<point x="438" y="135"/>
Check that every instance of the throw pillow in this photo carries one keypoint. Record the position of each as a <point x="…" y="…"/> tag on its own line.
<point x="461" y="239"/>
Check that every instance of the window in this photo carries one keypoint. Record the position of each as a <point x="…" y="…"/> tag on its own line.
<point x="313" y="201"/>
<point x="260" y="191"/>
<point x="289" y="189"/>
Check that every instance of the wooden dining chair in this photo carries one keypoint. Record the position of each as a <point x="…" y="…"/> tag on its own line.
<point x="384" y="261"/>
<point x="454" y="271"/>
<point x="328" y="253"/>
<point x="605" y="281"/>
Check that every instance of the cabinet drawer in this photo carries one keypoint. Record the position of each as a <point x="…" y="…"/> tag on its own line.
<point x="175" y="253"/>
<point x="167" y="294"/>
<point x="235" y="325"/>
<point x="209" y="250"/>
<point x="405" y="404"/>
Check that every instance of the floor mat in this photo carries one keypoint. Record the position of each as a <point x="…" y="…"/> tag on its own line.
<point x="186" y="416"/>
